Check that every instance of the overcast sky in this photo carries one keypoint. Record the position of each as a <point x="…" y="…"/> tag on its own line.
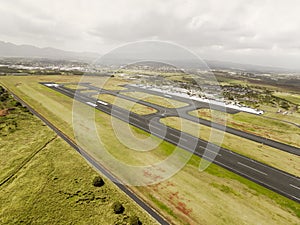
<point x="264" y="32"/>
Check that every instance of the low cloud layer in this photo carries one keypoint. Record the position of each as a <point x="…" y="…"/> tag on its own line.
<point x="262" y="32"/>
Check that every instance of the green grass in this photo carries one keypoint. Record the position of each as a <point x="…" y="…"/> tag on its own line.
<point x="272" y="112"/>
<point x="256" y="124"/>
<point x="158" y="100"/>
<point x="224" y="188"/>
<point x="188" y="194"/>
<point x="256" y="189"/>
<point x="162" y="206"/>
<point x="126" y="104"/>
<point x="293" y="98"/>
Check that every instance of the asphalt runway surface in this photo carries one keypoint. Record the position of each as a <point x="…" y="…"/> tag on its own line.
<point x="279" y="181"/>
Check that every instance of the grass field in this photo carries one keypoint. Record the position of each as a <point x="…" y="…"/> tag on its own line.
<point x="272" y="112"/>
<point x="51" y="183"/>
<point x="215" y="196"/>
<point x="256" y="124"/>
<point x="294" y="98"/>
<point x="105" y="82"/>
<point x="268" y="155"/>
<point x="75" y="86"/>
<point x="158" y="100"/>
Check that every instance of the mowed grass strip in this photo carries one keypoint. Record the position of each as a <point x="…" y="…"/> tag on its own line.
<point x="199" y="200"/>
<point x="74" y="86"/>
<point x="109" y="83"/>
<point x="258" y="125"/>
<point x="262" y="153"/>
<point x="158" y="100"/>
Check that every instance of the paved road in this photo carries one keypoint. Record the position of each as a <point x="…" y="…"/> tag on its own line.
<point x="97" y="165"/>
<point x="272" y="178"/>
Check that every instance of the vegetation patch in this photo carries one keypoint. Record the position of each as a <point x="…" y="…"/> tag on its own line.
<point x="118" y="207"/>
<point x="274" y="129"/>
<point x="98" y="181"/>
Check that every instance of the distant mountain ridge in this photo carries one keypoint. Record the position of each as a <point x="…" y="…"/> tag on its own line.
<point x="8" y="49"/>
<point x="222" y="65"/>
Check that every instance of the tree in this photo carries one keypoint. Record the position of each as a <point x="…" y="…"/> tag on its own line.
<point x="118" y="207"/>
<point x="98" y="181"/>
<point x="134" y="220"/>
<point x="285" y="105"/>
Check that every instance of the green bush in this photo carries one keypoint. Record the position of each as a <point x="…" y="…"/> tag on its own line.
<point x="98" y="181"/>
<point x="118" y="207"/>
<point x="284" y="105"/>
<point x="4" y="97"/>
<point x="134" y="220"/>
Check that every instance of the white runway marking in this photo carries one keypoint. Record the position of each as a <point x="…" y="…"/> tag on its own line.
<point x="115" y="111"/>
<point x="135" y="119"/>
<point x="91" y="104"/>
<point x="295" y="197"/>
<point x="101" y="102"/>
<point x="251" y="168"/>
<point x="181" y="138"/>
<point x="295" y="186"/>
<point x="157" y="128"/>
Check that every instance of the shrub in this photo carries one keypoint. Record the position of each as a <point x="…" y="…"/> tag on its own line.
<point x="98" y="181"/>
<point x="134" y="220"/>
<point x="285" y="105"/>
<point x="17" y="104"/>
<point x="25" y="109"/>
<point x="118" y="208"/>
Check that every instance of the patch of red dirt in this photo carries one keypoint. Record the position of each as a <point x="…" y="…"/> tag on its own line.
<point x="181" y="206"/>
<point x="4" y="112"/>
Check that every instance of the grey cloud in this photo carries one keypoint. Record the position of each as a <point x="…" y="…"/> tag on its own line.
<point x="216" y="28"/>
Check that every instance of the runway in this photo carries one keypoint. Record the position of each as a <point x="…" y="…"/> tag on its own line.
<point x="269" y="177"/>
<point x="194" y="105"/>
